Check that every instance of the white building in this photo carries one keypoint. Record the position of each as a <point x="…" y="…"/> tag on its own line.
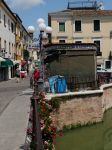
<point x="7" y="40"/>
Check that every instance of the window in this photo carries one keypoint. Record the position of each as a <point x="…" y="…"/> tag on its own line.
<point x="4" y="45"/>
<point x="12" y="27"/>
<point x="78" y="25"/>
<point x="61" y="41"/>
<point x="9" y="48"/>
<point x="0" y="44"/>
<point x="107" y="64"/>
<point x="0" y="16"/>
<point x="4" y="20"/>
<point x="4" y="50"/>
<point x="79" y="42"/>
<point x="62" y="26"/>
<point x="99" y="67"/>
<point x="96" y="25"/>
<point x="12" y="47"/>
<point x="8" y="24"/>
<point x="98" y="45"/>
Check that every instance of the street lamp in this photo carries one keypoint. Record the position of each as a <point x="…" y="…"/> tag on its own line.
<point x="38" y="87"/>
<point x="43" y="36"/>
<point x="44" y="32"/>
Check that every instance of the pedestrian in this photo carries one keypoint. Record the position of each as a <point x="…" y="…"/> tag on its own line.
<point x="31" y="82"/>
<point x="36" y="74"/>
<point x="46" y="86"/>
<point x="17" y="74"/>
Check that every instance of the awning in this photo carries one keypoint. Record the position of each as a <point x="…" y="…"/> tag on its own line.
<point x="7" y="62"/>
<point x="2" y="59"/>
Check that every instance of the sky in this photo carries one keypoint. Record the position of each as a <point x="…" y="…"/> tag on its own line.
<point x="30" y="10"/>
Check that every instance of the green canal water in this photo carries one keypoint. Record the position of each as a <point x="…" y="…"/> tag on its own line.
<point x="94" y="137"/>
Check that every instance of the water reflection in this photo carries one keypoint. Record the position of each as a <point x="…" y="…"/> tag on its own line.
<point x="95" y="137"/>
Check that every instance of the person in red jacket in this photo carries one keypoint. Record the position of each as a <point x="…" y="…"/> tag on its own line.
<point x="36" y="74"/>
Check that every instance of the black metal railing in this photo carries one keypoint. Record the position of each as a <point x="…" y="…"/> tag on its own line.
<point x="34" y="136"/>
<point x="77" y="83"/>
<point x="104" y="78"/>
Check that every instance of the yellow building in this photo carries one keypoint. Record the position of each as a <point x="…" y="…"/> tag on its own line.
<point x="18" y="52"/>
<point x="83" y="24"/>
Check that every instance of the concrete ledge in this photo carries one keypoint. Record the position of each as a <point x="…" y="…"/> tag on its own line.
<point x="49" y="96"/>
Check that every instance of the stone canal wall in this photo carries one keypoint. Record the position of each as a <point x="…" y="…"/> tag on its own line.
<point x="83" y="107"/>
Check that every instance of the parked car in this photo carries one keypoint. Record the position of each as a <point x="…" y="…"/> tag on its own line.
<point x="103" y="70"/>
<point x="100" y="69"/>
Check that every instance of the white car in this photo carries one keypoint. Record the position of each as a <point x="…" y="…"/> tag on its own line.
<point x="100" y="69"/>
<point x="103" y="70"/>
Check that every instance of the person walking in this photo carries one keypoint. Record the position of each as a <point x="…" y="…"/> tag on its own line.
<point x="36" y="74"/>
<point x="17" y="74"/>
<point x="31" y="82"/>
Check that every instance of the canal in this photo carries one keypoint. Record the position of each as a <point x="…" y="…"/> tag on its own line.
<point x="94" y="137"/>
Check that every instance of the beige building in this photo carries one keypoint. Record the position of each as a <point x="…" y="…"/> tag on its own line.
<point x="84" y="25"/>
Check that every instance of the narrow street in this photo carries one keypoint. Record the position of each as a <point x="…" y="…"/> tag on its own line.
<point x="10" y="90"/>
<point x="14" y="108"/>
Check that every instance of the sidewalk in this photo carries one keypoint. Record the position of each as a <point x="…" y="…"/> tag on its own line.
<point x="13" y="123"/>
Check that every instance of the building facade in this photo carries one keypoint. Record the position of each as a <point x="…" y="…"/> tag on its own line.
<point x="84" y="25"/>
<point x="18" y="36"/>
<point x="14" y="39"/>
<point x="26" y="41"/>
<point x="7" y="40"/>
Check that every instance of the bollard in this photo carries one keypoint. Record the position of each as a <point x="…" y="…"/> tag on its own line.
<point x="40" y="83"/>
<point x="37" y="135"/>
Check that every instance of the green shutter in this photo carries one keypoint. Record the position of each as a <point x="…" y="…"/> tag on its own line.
<point x="62" y="26"/>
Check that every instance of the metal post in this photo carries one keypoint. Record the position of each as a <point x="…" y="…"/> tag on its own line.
<point x="40" y="47"/>
<point x="37" y="135"/>
<point x="42" y="61"/>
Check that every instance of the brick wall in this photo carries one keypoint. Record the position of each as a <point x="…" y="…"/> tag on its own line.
<point x="84" y="108"/>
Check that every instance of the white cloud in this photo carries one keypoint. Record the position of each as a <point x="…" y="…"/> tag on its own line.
<point x="24" y="4"/>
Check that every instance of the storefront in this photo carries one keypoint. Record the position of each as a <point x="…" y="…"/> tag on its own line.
<point x="6" y="69"/>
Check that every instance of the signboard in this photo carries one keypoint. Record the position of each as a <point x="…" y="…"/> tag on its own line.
<point x="34" y="44"/>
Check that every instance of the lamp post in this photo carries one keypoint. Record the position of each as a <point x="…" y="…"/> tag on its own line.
<point x="43" y="36"/>
<point x="44" y="30"/>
